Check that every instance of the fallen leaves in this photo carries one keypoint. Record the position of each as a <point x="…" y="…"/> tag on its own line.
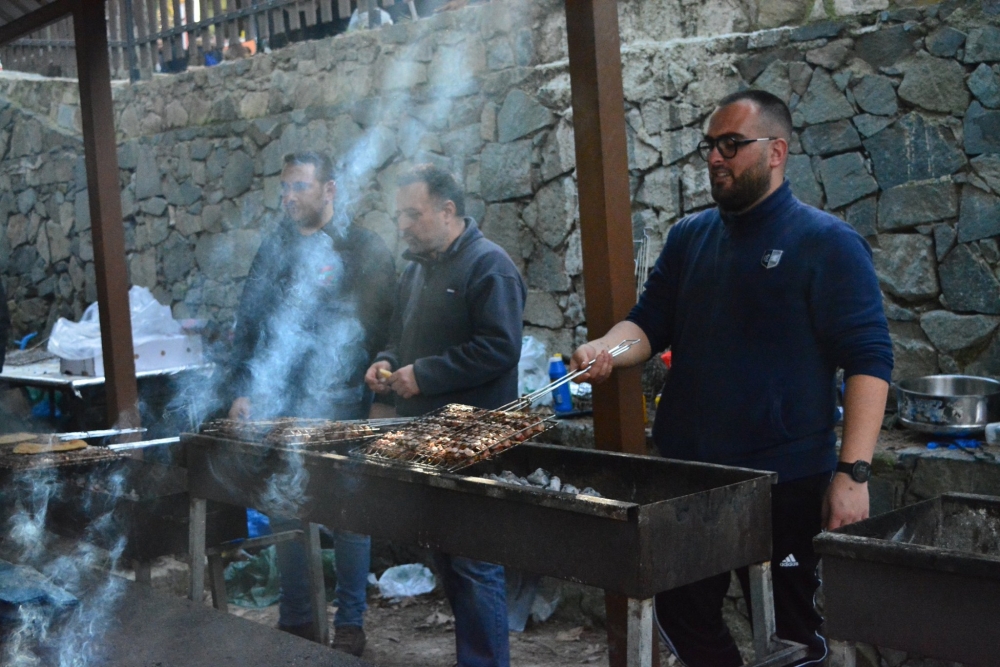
<point x="437" y="619"/>
<point x="571" y="635"/>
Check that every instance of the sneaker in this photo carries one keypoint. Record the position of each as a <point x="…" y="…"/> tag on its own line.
<point x="306" y="630"/>
<point x="349" y="639"/>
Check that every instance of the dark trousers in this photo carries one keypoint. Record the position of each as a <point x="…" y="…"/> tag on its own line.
<point x="690" y="617"/>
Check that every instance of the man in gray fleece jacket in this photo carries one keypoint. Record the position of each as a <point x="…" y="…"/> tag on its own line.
<point x="455" y="337"/>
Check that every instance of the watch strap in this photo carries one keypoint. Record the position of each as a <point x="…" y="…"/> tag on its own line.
<point x="860" y="471"/>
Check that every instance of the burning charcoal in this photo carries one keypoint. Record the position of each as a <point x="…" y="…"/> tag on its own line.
<point x="555" y="484"/>
<point x="539" y="478"/>
<point x="569" y="488"/>
<point x="589" y="491"/>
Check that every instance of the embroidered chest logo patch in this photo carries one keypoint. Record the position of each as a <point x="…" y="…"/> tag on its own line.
<point x="771" y="258"/>
<point x="326" y="276"/>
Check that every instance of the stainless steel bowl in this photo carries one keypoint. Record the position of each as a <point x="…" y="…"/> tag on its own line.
<point x="948" y="404"/>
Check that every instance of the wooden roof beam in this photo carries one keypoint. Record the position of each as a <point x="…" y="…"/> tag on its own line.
<point x="41" y="17"/>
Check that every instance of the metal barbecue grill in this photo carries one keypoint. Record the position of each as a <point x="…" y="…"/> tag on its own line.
<point x="11" y="462"/>
<point x="660" y="525"/>
<point x="152" y="512"/>
<point x="90" y="455"/>
<point x="923" y="579"/>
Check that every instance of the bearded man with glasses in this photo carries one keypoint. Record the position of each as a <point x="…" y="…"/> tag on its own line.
<point x="761" y="299"/>
<point x="314" y="311"/>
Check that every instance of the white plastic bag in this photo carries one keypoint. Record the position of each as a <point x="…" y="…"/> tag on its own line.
<point x="404" y="581"/>
<point x="82" y="340"/>
<point x="359" y="21"/>
<point x="533" y="369"/>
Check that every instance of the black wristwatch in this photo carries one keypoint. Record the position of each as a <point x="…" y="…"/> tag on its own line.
<point x="860" y="471"/>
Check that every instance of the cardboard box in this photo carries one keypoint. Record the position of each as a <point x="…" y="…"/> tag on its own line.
<point x="154" y="355"/>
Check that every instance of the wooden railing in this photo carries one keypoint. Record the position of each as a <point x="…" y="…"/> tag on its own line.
<point x="147" y="36"/>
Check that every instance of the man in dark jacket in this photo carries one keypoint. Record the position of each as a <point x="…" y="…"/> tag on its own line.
<point x="314" y="311"/>
<point x="455" y="338"/>
<point x="761" y="300"/>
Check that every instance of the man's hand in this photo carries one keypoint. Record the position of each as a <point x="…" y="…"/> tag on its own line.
<point x="845" y="502"/>
<point x="377" y="375"/>
<point x="404" y="382"/>
<point x="240" y="409"/>
<point x="600" y="371"/>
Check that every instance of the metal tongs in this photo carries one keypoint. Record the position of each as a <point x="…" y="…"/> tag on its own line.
<point x="526" y="400"/>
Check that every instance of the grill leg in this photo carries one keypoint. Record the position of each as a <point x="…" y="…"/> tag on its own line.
<point x="762" y="605"/>
<point x="640" y="633"/>
<point x="318" y="587"/>
<point x="196" y="548"/>
<point x="843" y="654"/>
<point x="769" y="651"/>
<point x="217" y="582"/>
<point x="143" y="572"/>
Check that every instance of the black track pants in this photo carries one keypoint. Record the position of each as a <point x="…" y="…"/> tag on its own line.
<point x="691" y="616"/>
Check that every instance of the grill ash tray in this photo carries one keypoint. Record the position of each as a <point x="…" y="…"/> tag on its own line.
<point x="660" y="523"/>
<point x="923" y="579"/>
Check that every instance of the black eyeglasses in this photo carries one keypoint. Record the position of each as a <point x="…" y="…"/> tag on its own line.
<point x="728" y="146"/>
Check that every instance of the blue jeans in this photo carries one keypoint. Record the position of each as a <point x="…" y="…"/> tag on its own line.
<point x="478" y="598"/>
<point x="352" y="558"/>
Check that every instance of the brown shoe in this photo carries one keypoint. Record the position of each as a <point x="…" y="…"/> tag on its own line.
<point x="306" y="630"/>
<point x="349" y="639"/>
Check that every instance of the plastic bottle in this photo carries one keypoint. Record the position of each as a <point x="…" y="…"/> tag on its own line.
<point x="561" y="399"/>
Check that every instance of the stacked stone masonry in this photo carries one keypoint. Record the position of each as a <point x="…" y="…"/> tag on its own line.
<point x="897" y="116"/>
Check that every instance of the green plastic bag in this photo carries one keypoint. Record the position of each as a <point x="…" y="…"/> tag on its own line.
<point x="255" y="583"/>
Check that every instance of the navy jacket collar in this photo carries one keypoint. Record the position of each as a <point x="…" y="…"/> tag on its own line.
<point x="772" y="207"/>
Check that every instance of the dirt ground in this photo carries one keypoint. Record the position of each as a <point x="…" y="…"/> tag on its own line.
<point x="419" y="632"/>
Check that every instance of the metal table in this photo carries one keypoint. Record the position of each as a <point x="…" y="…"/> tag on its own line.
<point x="663" y="523"/>
<point x="82" y="391"/>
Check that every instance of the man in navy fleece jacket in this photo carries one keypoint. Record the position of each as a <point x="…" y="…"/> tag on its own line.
<point x="761" y="300"/>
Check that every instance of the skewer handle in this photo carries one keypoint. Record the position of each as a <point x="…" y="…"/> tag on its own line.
<point x="526" y="401"/>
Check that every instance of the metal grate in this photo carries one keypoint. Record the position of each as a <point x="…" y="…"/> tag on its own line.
<point x="453" y="437"/>
<point x="23" y="462"/>
<point x="297" y="432"/>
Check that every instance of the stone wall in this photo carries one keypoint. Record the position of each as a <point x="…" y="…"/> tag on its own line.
<point x="896" y="132"/>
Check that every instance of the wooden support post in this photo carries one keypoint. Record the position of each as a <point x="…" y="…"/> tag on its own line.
<point x="196" y="548"/>
<point x="606" y="232"/>
<point x="605" y="207"/>
<point x="317" y="586"/>
<point x="101" y="159"/>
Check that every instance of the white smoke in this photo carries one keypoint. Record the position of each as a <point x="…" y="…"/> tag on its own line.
<point x="48" y="633"/>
